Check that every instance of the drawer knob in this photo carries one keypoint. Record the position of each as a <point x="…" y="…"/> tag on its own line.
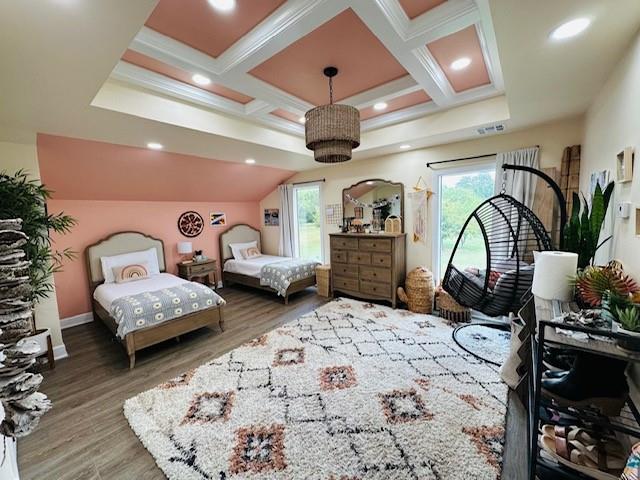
<point x="373" y="245"/>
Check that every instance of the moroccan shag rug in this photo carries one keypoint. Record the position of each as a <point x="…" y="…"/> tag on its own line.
<point x="350" y="391"/>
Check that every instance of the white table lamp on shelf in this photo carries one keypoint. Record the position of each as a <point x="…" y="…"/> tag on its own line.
<point x="553" y="281"/>
<point x="185" y="248"/>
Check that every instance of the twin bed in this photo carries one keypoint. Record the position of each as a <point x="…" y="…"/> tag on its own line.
<point x="142" y="305"/>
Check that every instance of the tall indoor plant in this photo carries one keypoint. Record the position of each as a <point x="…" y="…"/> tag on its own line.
<point x="26" y="198"/>
<point x="582" y="232"/>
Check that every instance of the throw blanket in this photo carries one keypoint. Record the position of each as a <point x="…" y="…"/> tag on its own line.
<point x="279" y="275"/>
<point x="134" y="312"/>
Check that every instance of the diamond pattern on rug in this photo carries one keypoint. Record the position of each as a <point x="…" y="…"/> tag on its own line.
<point x="350" y="391"/>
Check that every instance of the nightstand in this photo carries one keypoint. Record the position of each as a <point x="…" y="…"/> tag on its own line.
<point x="207" y="270"/>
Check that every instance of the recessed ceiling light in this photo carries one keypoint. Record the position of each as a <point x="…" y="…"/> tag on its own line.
<point x="201" y="79"/>
<point x="570" y="28"/>
<point x="223" y="5"/>
<point x="155" y="146"/>
<point x="405" y="147"/>
<point x="380" y="106"/>
<point x="461" y="63"/>
<point x="369" y="183"/>
<point x="250" y="161"/>
<point x="302" y="119"/>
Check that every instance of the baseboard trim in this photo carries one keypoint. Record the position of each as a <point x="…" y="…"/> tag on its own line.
<point x="76" y="320"/>
<point x="60" y="352"/>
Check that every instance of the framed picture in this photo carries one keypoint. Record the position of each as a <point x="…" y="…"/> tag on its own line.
<point x="218" y="219"/>
<point x="358" y="212"/>
<point x="271" y="217"/>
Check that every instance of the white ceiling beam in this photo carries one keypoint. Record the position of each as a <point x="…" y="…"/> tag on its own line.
<point x="384" y="92"/>
<point x="446" y="19"/>
<point x="398" y="116"/>
<point x="489" y="44"/>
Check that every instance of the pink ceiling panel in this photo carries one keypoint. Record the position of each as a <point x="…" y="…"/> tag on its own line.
<point x="398" y="103"/>
<point x="415" y="8"/>
<point x="162" y="68"/>
<point x="344" y="42"/>
<point x="292" y="117"/>
<point x="199" y="25"/>
<point x="464" y="43"/>
<point x="87" y="170"/>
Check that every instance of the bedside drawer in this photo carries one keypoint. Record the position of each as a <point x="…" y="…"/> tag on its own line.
<point x="344" y="242"/>
<point x="359" y="258"/>
<point x="375" y="274"/>
<point x="207" y="267"/>
<point x="379" y="289"/>
<point x="380" y="260"/>
<point x="345" y="270"/>
<point x="375" y="244"/>
<point x="338" y="256"/>
<point x="342" y="283"/>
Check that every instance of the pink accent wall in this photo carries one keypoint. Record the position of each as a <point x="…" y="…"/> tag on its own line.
<point x="99" y="219"/>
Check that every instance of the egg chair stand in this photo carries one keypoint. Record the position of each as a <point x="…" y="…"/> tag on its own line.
<point x="510" y="232"/>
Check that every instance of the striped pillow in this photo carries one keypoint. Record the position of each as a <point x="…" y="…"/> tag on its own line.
<point x="130" y="273"/>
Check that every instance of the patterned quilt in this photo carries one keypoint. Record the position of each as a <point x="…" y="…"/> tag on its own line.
<point x="135" y="312"/>
<point x="280" y="275"/>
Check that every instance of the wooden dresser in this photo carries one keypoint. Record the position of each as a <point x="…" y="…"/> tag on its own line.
<point x="370" y="266"/>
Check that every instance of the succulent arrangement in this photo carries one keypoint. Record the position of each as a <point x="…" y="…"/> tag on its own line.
<point x="23" y="404"/>
<point x="593" y="282"/>
<point x="629" y="317"/>
<point x="582" y="232"/>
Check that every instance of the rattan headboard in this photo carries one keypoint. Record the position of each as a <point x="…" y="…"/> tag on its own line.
<point x="116" y="244"/>
<point x="238" y="233"/>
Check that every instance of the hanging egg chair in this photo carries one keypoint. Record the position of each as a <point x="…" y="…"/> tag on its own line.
<point x="500" y="282"/>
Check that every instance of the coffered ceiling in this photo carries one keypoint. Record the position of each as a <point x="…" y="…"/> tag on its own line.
<point x="265" y="58"/>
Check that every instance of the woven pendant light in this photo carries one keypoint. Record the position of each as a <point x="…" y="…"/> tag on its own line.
<point x="332" y="131"/>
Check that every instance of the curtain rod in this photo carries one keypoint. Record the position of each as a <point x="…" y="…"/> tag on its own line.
<point x="309" y="181"/>
<point x="469" y="158"/>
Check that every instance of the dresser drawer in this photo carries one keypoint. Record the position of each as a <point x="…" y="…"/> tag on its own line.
<point x="375" y="274"/>
<point x="380" y="260"/>
<point x="343" y="283"/>
<point x="344" y="242"/>
<point x="338" y="256"/>
<point x="379" y="289"/>
<point x="359" y="258"/>
<point x="345" y="270"/>
<point x="207" y="267"/>
<point x="375" y="244"/>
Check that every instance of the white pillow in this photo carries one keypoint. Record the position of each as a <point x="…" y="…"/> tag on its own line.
<point x="236" y="248"/>
<point x="108" y="263"/>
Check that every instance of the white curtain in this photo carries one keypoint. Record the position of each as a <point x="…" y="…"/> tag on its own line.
<point x="520" y="185"/>
<point x="286" y="248"/>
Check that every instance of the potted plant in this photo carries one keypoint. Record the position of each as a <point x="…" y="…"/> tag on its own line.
<point x="629" y="325"/>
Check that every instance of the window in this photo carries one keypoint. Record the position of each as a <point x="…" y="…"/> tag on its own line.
<point x="460" y="191"/>
<point x="307" y="221"/>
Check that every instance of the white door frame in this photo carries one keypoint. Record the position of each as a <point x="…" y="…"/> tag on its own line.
<point x="437" y="181"/>
<point x="296" y="239"/>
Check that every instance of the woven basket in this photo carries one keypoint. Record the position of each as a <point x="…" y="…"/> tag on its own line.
<point x="323" y="280"/>
<point x="419" y="290"/>
<point x="449" y="309"/>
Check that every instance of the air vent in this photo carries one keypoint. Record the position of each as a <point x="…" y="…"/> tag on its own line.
<point x="497" y="128"/>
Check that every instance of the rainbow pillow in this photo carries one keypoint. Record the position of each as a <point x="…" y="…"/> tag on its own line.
<point x="130" y="273"/>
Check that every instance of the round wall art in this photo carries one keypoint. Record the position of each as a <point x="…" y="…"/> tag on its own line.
<point x="190" y="224"/>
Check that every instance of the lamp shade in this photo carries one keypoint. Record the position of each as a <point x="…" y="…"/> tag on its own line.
<point x="185" y="247"/>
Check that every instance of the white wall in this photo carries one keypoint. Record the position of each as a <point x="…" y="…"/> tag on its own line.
<point x="407" y="167"/>
<point x="13" y="157"/>
<point x="612" y="123"/>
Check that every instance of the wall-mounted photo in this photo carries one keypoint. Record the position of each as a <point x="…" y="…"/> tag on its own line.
<point x="271" y="217"/>
<point x="218" y="219"/>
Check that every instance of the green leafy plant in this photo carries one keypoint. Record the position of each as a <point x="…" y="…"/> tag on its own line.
<point x="26" y="198"/>
<point x="594" y="283"/>
<point x="629" y="318"/>
<point x="582" y="232"/>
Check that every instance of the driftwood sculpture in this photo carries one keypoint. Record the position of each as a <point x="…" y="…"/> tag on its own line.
<point x="22" y="402"/>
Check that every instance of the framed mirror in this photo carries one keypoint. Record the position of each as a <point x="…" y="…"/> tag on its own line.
<point x="367" y="204"/>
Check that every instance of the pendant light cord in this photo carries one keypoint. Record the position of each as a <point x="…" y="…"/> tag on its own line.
<point x="330" y="90"/>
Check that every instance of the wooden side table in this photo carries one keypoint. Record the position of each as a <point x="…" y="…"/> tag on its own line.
<point x="206" y="270"/>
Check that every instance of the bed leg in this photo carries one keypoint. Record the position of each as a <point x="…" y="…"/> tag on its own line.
<point x="177" y="338"/>
<point x="221" y="320"/>
<point x="286" y="299"/>
<point x="132" y="360"/>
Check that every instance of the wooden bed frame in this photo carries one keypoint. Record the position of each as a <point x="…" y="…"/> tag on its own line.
<point x="125" y="242"/>
<point x="241" y="233"/>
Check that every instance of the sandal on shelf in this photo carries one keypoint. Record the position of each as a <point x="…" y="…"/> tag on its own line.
<point x="608" y="406"/>
<point x="574" y="454"/>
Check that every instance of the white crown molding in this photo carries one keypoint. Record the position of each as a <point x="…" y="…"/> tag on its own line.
<point x="398" y="116"/>
<point x="392" y="89"/>
<point x="446" y="19"/>
<point x="489" y="44"/>
<point x="258" y="107"/>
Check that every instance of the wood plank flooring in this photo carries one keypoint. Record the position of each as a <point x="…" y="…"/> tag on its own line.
<point x="86" y="435"/>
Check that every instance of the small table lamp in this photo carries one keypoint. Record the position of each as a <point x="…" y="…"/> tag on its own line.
<point x="185" y="248"/>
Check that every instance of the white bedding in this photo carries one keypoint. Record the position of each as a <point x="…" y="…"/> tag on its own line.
<point x="106" y="293"/>
<point x="252" y="266"/>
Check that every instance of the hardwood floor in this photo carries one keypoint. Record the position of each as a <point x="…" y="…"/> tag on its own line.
<point x="86" y="435"/>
